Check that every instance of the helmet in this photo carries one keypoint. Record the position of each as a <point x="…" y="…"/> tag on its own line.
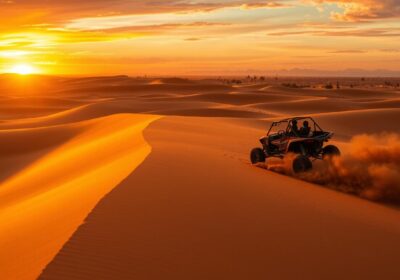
<point x="305" y="123"/>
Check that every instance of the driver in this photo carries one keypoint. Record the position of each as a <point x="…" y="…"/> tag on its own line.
<point x="294" y="130"/>
<point x="305" y="129"/>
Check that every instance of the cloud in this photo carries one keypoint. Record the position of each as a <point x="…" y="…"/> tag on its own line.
<point x="371" y="32"/>
<point x="259" y="5"/>
<point x="150" y="29"/>
<point x="390" y="50"/>
<point x="364" y="10"/>
<point x="24" y="12"/>
<point x="347" y="51"/>
<point x="193" y="39"/>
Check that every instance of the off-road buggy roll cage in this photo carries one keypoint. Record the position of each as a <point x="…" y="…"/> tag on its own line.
<point x="290" y="124"/>
<point x="318" y="134"/>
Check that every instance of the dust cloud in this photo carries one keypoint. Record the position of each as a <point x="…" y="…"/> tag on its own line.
<point x="369" y="168"/>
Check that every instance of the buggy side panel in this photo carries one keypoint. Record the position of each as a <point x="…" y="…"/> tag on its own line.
<point x="305" y="146"/>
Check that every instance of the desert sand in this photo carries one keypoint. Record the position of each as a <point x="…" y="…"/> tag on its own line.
<point x="140" y="178"/>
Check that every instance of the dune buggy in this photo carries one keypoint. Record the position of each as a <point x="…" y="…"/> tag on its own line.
<point x="307" y="143"/>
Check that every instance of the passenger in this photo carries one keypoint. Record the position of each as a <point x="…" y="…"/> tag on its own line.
<point x="305" y="129"/>
<point x="294" y="131"/>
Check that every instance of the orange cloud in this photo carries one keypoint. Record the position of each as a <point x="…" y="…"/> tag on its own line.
<point x="372" y="32"/>
<point x="258" y="5"/>
<point x="362" y="10"/>
<point x="33" y="12"/>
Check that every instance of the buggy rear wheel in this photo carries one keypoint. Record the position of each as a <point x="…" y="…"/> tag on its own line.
<point x="330" y="151"/>
<point x="301" y="164"/>
<point x="257" y="155"/>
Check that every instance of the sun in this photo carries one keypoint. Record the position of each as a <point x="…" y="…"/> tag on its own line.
<point x="23" y="69"/>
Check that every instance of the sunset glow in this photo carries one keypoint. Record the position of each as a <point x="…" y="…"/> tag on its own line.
<point x="199" y="139"/>
<point x="225" y="37"/>
<point x="23" y="69"/>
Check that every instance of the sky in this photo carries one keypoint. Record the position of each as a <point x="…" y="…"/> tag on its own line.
<point x="199" y="37"/>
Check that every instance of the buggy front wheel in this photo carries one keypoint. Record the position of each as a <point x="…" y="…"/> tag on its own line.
<point x="257" y="155"/>
<point x="301" y="164"/>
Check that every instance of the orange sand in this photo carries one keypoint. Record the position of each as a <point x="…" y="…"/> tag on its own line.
<point x="193" y="208"/>
<point x="43" y="204"/>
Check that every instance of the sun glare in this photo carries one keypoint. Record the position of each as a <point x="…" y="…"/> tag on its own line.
<point x="23" y="69"/>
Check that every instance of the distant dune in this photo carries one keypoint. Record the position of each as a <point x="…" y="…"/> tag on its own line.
<point x="149" y="178"/>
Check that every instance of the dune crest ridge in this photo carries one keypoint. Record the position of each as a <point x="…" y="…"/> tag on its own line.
<point x="35" y="200"/>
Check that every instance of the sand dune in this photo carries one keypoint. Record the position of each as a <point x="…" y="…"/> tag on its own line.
<point x="43" y="204"/>
<point x="241" y="98"/>
<point x="363" y="121"/>
<point x="82" y="197"/>
<point x="207" y="214"/>
<point x="24" y="107"/>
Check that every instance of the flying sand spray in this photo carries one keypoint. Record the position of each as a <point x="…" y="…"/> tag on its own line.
<point x="370" y="168"/>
